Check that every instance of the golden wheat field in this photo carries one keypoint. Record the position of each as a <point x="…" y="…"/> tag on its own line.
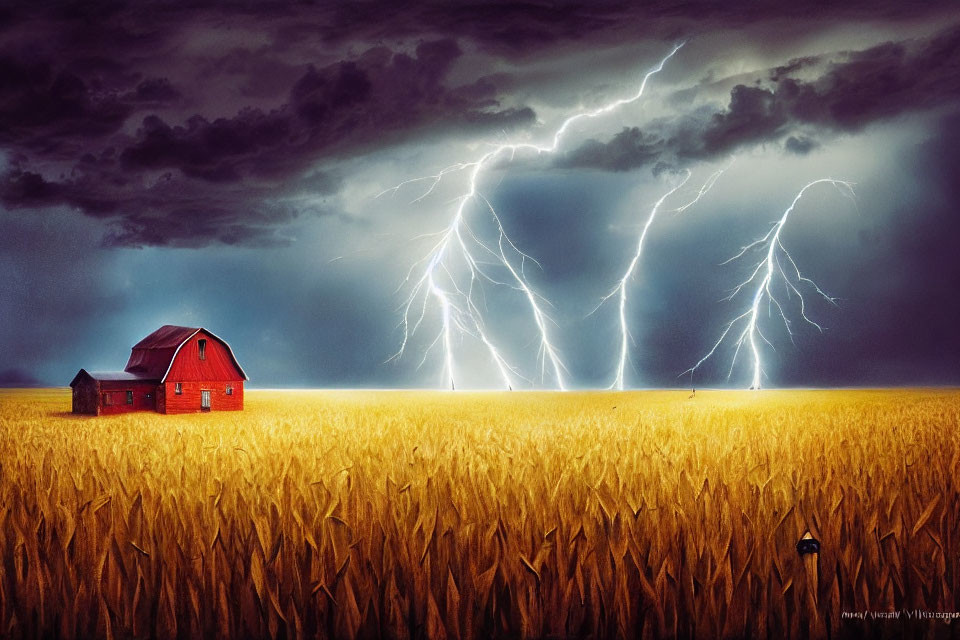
<point x="483" y="515"/>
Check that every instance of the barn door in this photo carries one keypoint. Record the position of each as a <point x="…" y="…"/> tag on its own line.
<point x="205" y="400"/>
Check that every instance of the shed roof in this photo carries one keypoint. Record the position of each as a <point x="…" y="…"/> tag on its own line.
<point x="111" y="376"/>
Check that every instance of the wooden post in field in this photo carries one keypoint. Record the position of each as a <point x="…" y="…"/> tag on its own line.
<point x="809" y="549"/>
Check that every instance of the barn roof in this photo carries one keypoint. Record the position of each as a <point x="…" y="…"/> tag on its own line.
<point x="111" y="376"/>
<point x="167" y="337"/>
<point x="153" y="356"/>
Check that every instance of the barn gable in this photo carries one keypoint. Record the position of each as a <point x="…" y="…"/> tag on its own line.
<point x="156" y="355"/>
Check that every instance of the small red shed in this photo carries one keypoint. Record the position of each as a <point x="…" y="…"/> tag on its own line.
<point x="172" y="370"/>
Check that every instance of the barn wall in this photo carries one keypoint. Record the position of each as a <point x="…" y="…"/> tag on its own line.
<point x="118" y="392"/>
<point x="85" y="397"/>
<point x="189" y="400"/>
<point x="218" y="365"/>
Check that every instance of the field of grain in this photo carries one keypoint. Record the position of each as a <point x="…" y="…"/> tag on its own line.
<point x="483" y="515"/>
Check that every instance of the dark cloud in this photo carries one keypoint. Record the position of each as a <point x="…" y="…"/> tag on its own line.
<point x="222" y="180"/>
<point x="154" y="92"/>
<point x="754" y="114"/>
<point x="627" y="150"/>
<point x="220" y="151"/>
<point x="102" y="101"/>
<point x="863" y="87"/>
<point x="522" y="28"/>
<point x="793" y="66"/>
<point x="881" y="82"/>
<point x="46" y="110"/>
<point x="800" y="145"/>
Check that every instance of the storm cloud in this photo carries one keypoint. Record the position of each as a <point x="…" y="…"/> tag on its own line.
<point x="852" y="91"/>
<point x="184" y="124"/>
<point x="224" y="179"/>
<point x="234" y="165"/>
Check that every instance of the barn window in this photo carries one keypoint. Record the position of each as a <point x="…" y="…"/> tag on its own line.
<point x="129" y="397"/>
<point x="229" y="389"/>
<point x="178" y="389"/>
<point x="107" y="399"/>
<point x="202" y="345"/>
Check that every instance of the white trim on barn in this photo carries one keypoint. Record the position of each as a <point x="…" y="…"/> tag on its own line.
<point x="213" y="335"/>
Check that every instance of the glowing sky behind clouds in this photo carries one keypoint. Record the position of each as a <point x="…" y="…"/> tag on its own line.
<point x="201" y="165"/>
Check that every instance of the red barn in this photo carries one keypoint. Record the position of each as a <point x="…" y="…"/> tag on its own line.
<point x="172" y="370"/>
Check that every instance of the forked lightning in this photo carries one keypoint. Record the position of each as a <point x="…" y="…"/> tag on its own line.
<point x="764" y="275"/>
<point x="452" y="293"/>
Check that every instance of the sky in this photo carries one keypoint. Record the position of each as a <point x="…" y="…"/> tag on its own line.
<point x="255" y="168"/>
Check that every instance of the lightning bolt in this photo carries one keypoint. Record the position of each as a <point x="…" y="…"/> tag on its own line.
<point x="764" y="274"/>
<point x="620" y="289"/>
<point x="459" y="313"/>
